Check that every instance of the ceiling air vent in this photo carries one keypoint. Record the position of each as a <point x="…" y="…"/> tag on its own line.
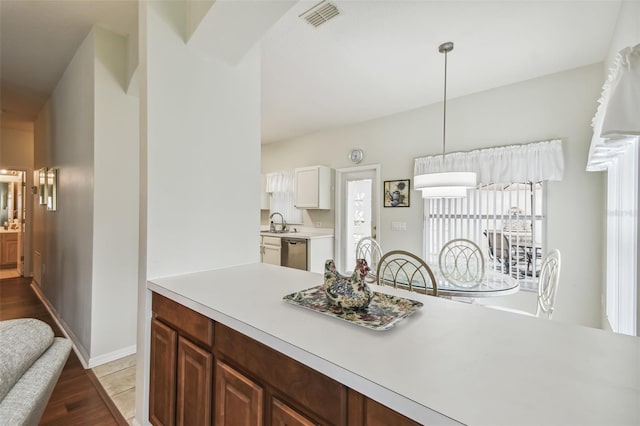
<point x="320" y="13"/>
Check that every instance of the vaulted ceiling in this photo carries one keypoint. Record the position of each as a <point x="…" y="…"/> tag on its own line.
<point x="377" y="57"/>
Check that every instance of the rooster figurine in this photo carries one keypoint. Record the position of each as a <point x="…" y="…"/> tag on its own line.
<point x="347" y="292"/>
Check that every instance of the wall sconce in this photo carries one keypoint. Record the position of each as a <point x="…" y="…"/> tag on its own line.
<point x="41" y="179"/>
<point x="52" y="189"/>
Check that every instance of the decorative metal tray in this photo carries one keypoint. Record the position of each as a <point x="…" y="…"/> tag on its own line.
<point x="383" y="312"/>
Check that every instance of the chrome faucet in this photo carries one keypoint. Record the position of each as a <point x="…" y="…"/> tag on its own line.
<point x="283" y="224"/>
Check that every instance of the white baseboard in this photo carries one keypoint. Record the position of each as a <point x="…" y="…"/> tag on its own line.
<point x="112" y="356"/>
<point x="77" y="348"/>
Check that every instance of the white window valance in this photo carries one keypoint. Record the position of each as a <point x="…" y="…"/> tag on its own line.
<point x="281" y="186"/>
<point x="531" y="162"/>
<point x="616" y="123"/>
<point x="280" y="182"/>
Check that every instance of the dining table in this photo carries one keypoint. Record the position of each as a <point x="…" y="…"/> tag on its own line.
<point x="493" y="283"/>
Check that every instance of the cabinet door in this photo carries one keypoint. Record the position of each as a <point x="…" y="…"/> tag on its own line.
<point x="162" y="370"/>
<point x="12" y="252"/>
<point x="271" y="255"/>
<point x="283" y="415"/>
<point x="238" y="400"/>
<point x="307" y="181"/>
<point x="377" y="414"/>
<point x="193" y="405"/>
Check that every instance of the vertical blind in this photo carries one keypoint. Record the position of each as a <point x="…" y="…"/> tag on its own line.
<point x="505" y="220"/>
<point x="614" y="148"/>
<point x="504" y="214"/>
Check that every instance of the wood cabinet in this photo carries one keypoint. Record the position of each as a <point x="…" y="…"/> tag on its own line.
<point x="162" y="374"/>
<point x="180" y="382"/>
<point x="270" y="250"/>
<point x="238" y="401"/>
<point x="8" y="249"/>
<point x="283" y="415"/>
<point x="233" y="380"/>
<point x="313" y="187"/>
<point x="193" y="399"/>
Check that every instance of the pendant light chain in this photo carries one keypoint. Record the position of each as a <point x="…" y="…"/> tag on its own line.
<point x="444" y="184"/>
<point x="444" y="115"/>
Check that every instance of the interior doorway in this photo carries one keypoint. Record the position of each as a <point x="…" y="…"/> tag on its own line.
<point x="12" y="222"/>
<point x="357" y="211"/>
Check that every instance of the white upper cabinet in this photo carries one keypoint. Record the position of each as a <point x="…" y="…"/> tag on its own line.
<point x="313" y="187"/>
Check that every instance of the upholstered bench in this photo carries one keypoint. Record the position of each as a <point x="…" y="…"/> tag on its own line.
<point x="31" y="360"/>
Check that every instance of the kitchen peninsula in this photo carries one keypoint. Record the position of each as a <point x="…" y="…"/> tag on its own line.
<point x="448" y="363"/>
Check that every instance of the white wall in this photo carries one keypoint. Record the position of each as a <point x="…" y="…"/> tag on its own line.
<point x="16" y="153"/>
<point x="88" y="130"/>
<point x="115" y="202"/>
<point x="200" y="162"/>
<point x="203" y="137"/>
<point x="627" y="31"/>
<point x="555" y="106"/>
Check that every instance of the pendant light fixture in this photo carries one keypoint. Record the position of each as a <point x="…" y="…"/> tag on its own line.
<point x="445" y="184"/>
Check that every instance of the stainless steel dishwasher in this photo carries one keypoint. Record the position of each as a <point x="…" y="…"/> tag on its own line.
<point x="293" y="253"/>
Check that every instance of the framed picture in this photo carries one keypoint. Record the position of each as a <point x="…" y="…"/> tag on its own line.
<point x="396" y="193"/>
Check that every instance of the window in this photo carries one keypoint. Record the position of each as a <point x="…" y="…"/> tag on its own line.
<point x="622" y="239"/>
<point x="614" y="148"/>
<point x="280" y="187"/>
<point x="505" y="220"/>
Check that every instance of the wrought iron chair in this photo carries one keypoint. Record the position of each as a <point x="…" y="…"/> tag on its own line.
<point x="401" y="269"/>
<point x="507" y="256"/>
<point x="548" y="282"/>
<point x="369" y="250"/>
<point x="461" y="261"/>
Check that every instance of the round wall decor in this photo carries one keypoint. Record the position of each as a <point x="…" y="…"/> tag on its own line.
<point x="356" y="155"/>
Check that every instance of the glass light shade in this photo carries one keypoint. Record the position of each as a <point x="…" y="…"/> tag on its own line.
<point x="445" y="184"/>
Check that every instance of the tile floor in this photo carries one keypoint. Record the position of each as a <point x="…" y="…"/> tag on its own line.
<point x="118" y="378"/>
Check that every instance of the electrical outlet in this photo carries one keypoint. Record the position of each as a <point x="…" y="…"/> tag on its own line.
<point x="398" y="226"/>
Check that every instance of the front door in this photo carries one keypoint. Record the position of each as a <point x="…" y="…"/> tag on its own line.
<point x="357" y="211"/>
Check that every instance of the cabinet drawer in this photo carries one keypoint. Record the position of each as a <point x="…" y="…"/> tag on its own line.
<point x="188" y="322"/>
<point x="322" y="396"/>
<point x="271" y="241"/>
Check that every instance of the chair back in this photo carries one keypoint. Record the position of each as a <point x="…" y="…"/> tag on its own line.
<point x="462" y="261"/>
<point x="401" y="269"/>
<point x="498" y="245"/>
<point x="548" y="283"/>
<point x="369" y="250"/>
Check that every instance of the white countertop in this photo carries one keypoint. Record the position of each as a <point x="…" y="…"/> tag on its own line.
<point x="301" y="234"/>
<point x="9" y="231"/>
<point x="450" y="360"/>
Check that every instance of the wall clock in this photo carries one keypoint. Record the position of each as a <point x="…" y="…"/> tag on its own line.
<point x="356" y="155"/>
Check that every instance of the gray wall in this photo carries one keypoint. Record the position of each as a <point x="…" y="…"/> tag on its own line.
<point x="88" y="130"/>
